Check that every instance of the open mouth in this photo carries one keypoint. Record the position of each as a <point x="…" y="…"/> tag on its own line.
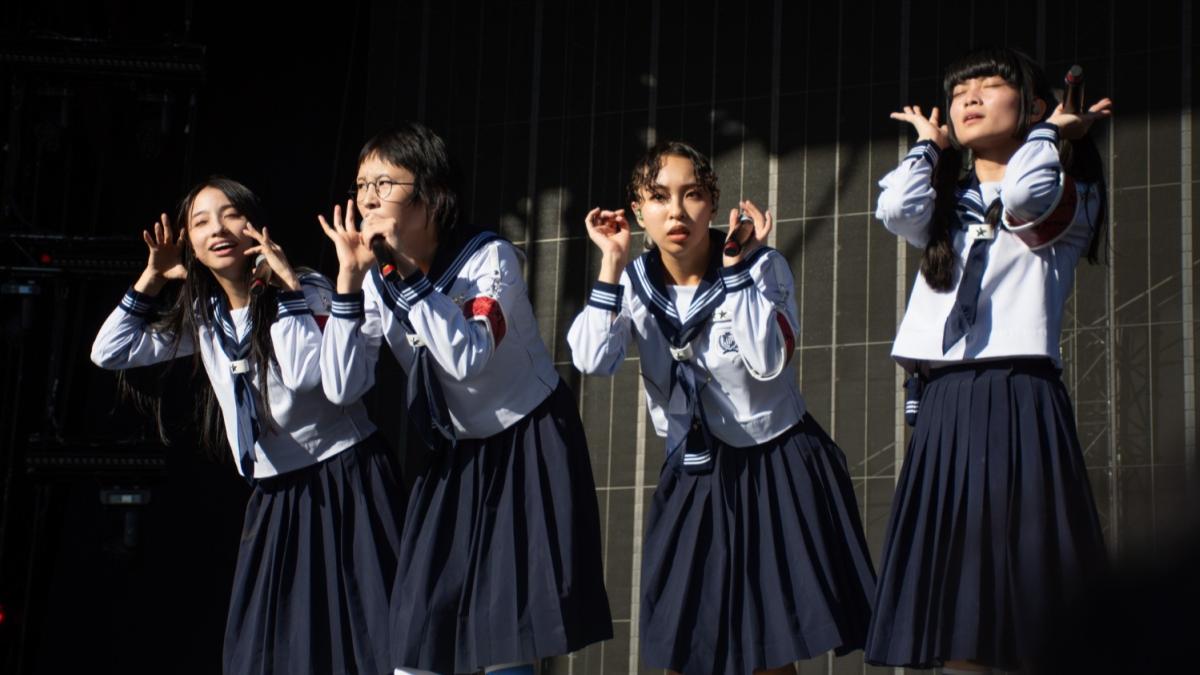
<point x="222" y="247"/>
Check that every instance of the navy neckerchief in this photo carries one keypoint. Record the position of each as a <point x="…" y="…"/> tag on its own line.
<point x="238" y="353"/>
<point x="971" y="213"/>
<point x="648" y="280"/>
<point x="426" y="403"/>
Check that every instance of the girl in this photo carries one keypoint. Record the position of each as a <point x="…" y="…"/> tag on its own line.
<point x="318" y="550"/>
<point x="993" y="524"/>
<point x="754" y="555"/>
<point x="500" y="560"/>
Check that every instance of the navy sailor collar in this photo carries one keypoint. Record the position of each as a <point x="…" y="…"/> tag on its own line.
<point x="648" y="279"/>
<point x="448" y="261"/>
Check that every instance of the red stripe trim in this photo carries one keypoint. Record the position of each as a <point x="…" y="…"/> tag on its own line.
<point x="488" y="308"/>
<point x="789" y="338"/>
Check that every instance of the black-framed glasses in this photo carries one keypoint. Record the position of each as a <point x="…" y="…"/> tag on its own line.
<point x="383" y="187"/>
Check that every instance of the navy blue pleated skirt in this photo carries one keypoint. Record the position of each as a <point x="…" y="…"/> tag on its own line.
<point x="993" y="526"/>
<point x="315" y="569"/>
<point x="758" y="564"/>
<point x="500" y="561"/>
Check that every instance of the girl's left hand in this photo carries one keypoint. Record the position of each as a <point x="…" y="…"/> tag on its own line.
<point x="1073" y="126"/>
<point x="762" y="229"/>
<point x="274" y="255"/>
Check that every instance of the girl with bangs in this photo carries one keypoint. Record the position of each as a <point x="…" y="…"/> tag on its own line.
<point x="993" y="527"/>
<point x="319" y="544"/>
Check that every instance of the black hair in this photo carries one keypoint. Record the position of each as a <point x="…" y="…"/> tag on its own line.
<point x="646" y="170"/>
<point x="415" y="147"/>
<point x="1080" y="158"/>
<point x="191" y="308"/>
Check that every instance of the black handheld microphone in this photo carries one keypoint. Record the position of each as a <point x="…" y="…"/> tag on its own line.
<point x="260" y="276"/>
<point x="733" y="247"/>
<point x="1073" y="93"/>
<point x="383" y="255"/>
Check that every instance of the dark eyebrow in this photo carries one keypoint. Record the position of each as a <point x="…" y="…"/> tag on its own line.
<point x="686" y="187"/>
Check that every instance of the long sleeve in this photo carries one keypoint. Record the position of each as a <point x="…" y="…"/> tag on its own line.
<point x="764" y="320"/>
<point x="601" y="333"/>
<point x="126" y="341"/>
<point x="350" y="348"/>
<point x="906" y="203"/>
<point x="296" y="334"/>
<point x="1032" y="180"/>
<point x="462" y="340"/>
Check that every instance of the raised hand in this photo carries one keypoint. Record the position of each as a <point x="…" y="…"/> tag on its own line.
<point x="165" y="260"/>
<point x="274" y="255"/>
<point x="353" y="251"/>
<point x="610" y="232"/>
<point x="763" y="224"/>
<point x="928" y="129"/>
<point x="1075" y="126"/>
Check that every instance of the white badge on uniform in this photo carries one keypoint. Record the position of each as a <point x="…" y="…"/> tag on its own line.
<point x="414" y="340"/>
<point x="681" y="353"/>
<point x="980" y="231"/>
<point x="240" y="366"/>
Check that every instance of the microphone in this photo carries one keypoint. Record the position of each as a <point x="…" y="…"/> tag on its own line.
<point x="260" y="276"/>
<point x="1073" y="94"/>
<point x="383" y="254"/>
<point x="733" y="247"/>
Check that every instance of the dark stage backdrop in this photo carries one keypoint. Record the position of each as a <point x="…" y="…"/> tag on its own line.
<point x="546" y="105"/>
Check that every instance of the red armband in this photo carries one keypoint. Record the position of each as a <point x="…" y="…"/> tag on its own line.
<point x="489" y="309"/>
<point x="1042" y="233"/>
<point x="789" y="338"/>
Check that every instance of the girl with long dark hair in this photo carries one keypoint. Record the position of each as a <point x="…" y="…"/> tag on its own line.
<point x="318" y="548"/>
<point x="993" y="526"/>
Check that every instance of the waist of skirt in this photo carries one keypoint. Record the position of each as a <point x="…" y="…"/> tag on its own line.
<point x="370" y="445"/>
<point x="1025" y="365"/>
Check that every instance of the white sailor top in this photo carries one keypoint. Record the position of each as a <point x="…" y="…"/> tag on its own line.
<point x="747" y="383"/>
<point x="473" y="315"/>
<point x="1048" y="221"/>
<point x="307" y="427"/>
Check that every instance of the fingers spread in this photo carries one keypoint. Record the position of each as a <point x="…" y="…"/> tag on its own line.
<point x="753" y="210"/>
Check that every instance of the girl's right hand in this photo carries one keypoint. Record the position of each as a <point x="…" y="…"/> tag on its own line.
<point x="928" y="129"/>
<point x="165" y="262"/>
<point x="610" y="232"/>
<point x="354" y="253"/>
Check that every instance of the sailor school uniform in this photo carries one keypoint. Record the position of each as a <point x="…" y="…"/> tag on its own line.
<point x="319" y="477"/>
<point x="508" y="490"/>
<point x="993" y="516"/>
<point x="754" y="505"/>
